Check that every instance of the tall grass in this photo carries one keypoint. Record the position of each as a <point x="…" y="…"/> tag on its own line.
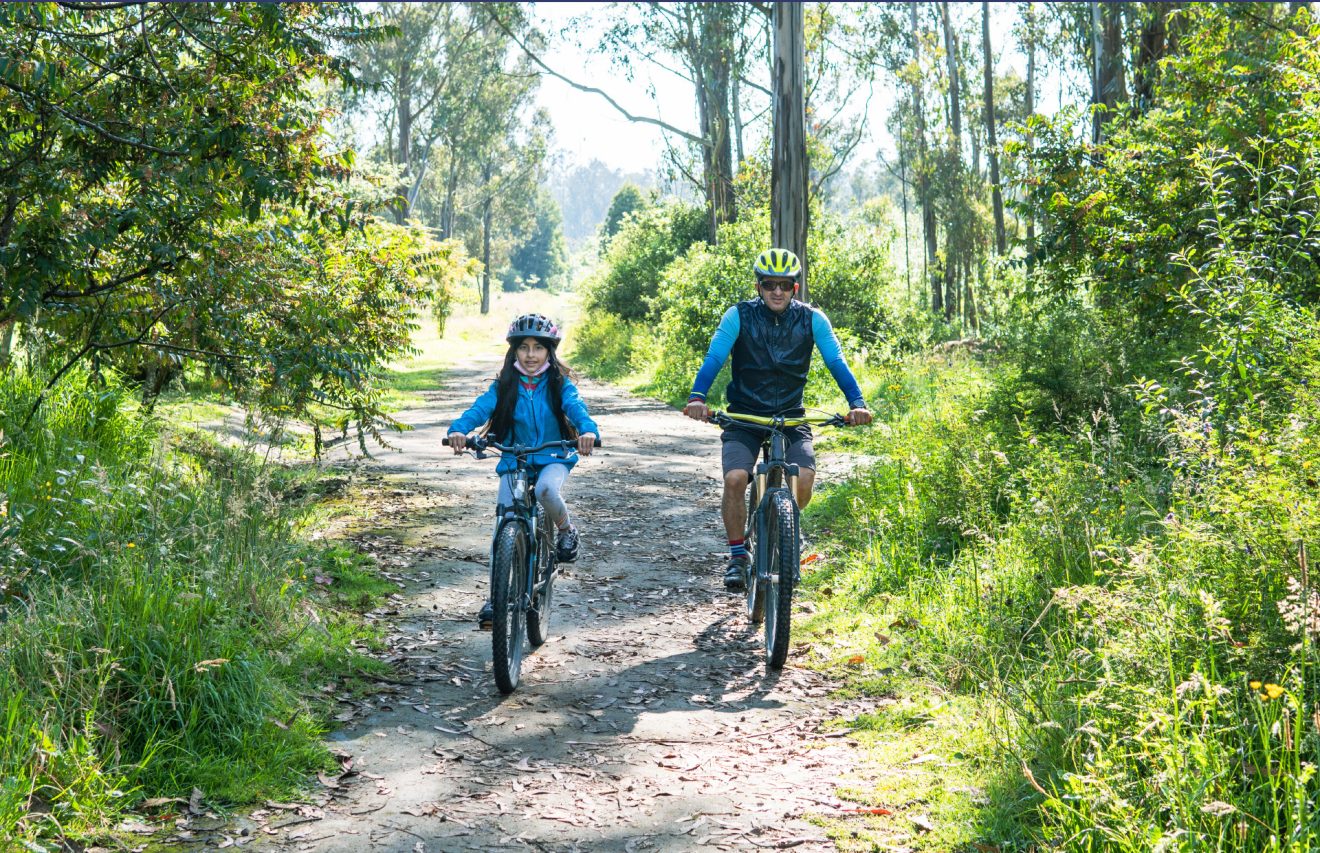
<point x="1128" y="593"/>
<point x="156" y="623"/>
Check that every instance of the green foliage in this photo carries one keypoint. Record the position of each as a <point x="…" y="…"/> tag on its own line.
<point x="632" y="273"/>
<point x="312" y="316"/>
<point x="128" y="159"/>
<point x="541" y="259"/>
<point x="153" y="615"/>
<point x="1115" y="219"/>
<point x="628" y="199"/>
<point x="1108" y="534"/>
<point x="611" y="348"/>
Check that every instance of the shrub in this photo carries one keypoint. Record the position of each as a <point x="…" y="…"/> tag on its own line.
<point x="629" y="279"/>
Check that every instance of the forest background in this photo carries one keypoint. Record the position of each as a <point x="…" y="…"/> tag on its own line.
<point x="1077" y="549"/>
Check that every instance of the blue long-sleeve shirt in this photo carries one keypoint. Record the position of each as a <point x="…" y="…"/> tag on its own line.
<point x="827" y="344"/>
<point x="534" y="421"/>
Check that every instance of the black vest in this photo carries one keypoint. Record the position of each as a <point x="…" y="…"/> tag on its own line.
<point x="770" y="359"/>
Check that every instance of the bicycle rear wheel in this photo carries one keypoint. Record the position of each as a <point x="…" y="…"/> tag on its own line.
<point x="755" y="594"/>
<point x="508" y="588"/>
<point x="781" y="568"/>
<point x="538" y="616"/>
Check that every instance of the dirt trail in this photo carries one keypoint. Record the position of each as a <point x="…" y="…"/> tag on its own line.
<point x="646" y="723"/>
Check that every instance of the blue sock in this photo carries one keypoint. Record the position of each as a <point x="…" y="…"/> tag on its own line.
<point x="737" y="548"/>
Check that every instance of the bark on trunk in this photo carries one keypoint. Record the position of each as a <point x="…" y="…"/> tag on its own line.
<point x="487" y="208"/>
<point x="404" y="108"/>
<point x="996" y="198"/>
<point x="1154" y="46"/>
<point x="451" y="195"/>
<point x="1108" y="86"/>
<point x="1031" y="109"/>
<point x="788" y="176"/>
<point x="928" y="225"/>
<point x="712" y="73"/>
<point x="951" y="58"/>
<point x="737" y="120"/>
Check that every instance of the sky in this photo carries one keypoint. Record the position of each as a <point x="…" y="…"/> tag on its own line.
<point x="587" y="127"/>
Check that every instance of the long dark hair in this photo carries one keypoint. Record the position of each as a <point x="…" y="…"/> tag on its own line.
<point x="506" y="394"/>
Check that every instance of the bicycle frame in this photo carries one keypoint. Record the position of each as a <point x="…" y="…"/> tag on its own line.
<point x="526" y="512"/>
<point x="770" y="583"/>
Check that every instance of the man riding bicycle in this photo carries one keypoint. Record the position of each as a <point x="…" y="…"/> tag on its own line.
<point x="770" y="338"/>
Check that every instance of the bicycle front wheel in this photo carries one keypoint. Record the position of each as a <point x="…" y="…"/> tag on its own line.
<point x="752" y="540"/>
<point x="781" y="570"/>
<point x="538" y="616"/>
<point x="508" y="589"/>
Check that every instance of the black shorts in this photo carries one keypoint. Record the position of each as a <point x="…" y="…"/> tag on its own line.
<point x="742" y="447"/>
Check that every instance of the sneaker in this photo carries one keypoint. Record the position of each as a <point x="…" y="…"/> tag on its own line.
<point x="567" y="545"/>
<point x="486" y="617"/>
<point x="735" y="574"/>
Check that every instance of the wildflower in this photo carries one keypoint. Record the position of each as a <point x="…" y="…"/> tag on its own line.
<point x="131" y="545"/>
<point x="1254" y="685"/>
<point x="1273" y="691"/>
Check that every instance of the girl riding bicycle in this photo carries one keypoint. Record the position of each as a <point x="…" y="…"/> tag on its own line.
<point x="532" y="401"/>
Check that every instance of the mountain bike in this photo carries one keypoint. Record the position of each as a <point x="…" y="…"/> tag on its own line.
<point x="523" y="562"/>
<point x="773" y="531"/>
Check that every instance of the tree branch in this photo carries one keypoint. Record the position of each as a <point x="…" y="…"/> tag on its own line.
<point x="91" y="125"/>
<point x="99" y="7"/>
<point x="691" y="137"/>
<point x="109" y="285"/>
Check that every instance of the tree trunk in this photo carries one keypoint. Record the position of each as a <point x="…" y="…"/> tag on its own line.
<point x="1108" y="87"/>
<point x="404" y="108"/>
<point x="487" y="207"/>
<point x="903" y="184"/>
<point x="1030" y="96"/>
<point x="788" y="176"/>
<point x="1155" y="42"/>
<point x="7" y="343"/>
<point x="992" y="143"/>
<point x="737" y="120"/>
<point x="928" y="224"/>
<point x="951" y="57"/>
<point x="712" y="72"/>
<point x="447" y="210"/>
<point x="952" y="289"/>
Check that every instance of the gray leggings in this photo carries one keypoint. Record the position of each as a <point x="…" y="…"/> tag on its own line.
<point x="549" y="482"/>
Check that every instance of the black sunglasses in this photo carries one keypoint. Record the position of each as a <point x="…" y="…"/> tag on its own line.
<point x="784" y="286"/>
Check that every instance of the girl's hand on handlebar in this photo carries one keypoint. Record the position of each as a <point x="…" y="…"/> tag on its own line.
<point x="585" y="442"/>
<point x="457" y="441"/>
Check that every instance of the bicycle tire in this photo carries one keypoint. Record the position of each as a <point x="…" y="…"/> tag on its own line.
<point x="538" y="615"/>
<point x="754" y="593"/>
<point x="781" y="568"/>
<point x="508" y="586"/>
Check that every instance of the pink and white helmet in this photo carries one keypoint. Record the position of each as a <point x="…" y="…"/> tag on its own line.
<point x="536" y="326"/>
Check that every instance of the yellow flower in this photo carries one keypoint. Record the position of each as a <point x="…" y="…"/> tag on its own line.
<point x="131" y="545"/>
<point x="1273" y="691"/>
<point x="1254" y="685"/>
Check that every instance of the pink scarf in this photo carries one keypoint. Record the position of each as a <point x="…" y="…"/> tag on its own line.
<point x="545" y="365"/>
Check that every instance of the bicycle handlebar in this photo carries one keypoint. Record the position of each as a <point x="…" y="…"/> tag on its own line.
<point x="480" y="443"/>
<point x="724" y="419"/>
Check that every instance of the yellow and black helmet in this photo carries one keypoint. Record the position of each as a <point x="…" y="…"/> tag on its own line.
<point x="777" y="263"/>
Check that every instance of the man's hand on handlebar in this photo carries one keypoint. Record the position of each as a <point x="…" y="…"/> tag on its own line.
<point x="858" y="417"/>
<point x="697" y="410"/>
<point x="585" y="442"/>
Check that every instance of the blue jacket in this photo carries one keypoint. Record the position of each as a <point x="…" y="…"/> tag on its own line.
<point x="533" y="421"/>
